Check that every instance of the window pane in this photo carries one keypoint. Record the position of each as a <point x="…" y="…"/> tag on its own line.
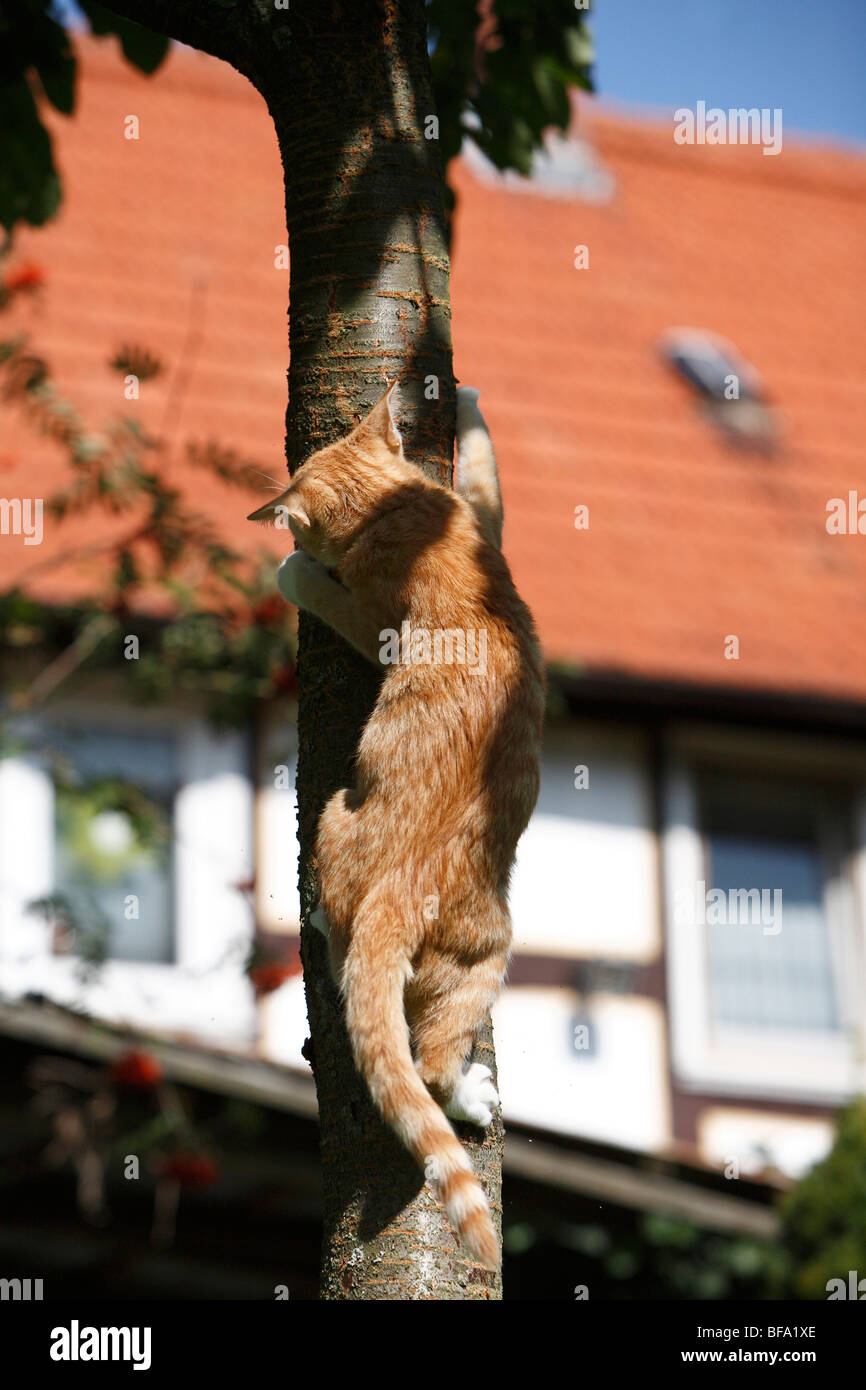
<point x="114" y="793"/>
<point x="771" y="968"/>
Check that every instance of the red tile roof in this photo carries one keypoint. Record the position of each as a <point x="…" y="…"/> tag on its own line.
<point x="689" y="540"/>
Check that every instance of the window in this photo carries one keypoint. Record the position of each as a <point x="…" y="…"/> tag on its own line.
<point x="564" y="167"/>
<point x="770" y="861"/>
<point x="762" y="842"/>
<point x="710" y="364"/>
<point x="728" y="387"/>
<point x="177" y="850"/>
<point x="113" y="802"/>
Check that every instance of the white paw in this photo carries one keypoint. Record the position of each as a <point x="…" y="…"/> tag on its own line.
<point x="319" y="920"/>
<point x="474" y="1096"/>
<point x="299" y="577"/>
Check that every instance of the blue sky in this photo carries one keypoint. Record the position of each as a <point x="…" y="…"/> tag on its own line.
<point x="807" y="56"/>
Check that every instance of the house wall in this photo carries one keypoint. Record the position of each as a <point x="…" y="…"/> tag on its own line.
<point x="605" y="1027"/>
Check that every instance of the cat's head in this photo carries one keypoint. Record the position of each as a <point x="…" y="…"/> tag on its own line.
<point x="336" y="490"/>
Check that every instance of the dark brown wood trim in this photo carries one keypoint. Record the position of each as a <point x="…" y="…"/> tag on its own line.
<point x="588" y="975"/>
<point x="688" y="1106"/>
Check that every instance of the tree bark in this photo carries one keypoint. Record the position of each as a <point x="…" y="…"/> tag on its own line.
<point x="369" y="300"/>
<point x="348" y="85"/>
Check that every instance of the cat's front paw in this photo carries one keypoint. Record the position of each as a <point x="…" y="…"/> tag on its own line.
<point x="299" y="578"/>
<point x="319" y="920"/>
<point x="468" y="410"/>
<point x="474" y="1096"/>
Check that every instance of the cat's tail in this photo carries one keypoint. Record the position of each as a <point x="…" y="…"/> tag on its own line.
<point x="376" y="1022"/>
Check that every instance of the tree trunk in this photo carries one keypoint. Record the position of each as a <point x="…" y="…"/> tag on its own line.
<point x="369" y="300"/>
<point x="348" y="85"/>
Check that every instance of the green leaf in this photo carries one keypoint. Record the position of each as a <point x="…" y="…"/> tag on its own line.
<point x="536" y="52"/>
<point x="131" y="360"/>
<point x="141" y="47"/>
<point x="579" y="50"/>
<point x="29" y="183"/>
<point x="55" y="64"/>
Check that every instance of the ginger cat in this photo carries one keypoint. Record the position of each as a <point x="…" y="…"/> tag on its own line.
<point x="414" y="859"/>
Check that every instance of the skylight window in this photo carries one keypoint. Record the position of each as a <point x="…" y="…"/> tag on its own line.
<point x="565" y="167"/>
<point x="710" y="364"/>
<point x="728" y="387"/>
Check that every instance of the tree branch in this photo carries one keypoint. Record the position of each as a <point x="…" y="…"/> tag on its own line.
<point x="225" y="31"/>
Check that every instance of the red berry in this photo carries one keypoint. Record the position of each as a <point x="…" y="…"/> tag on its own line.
<point x="25" y="278"/>
<point x="190" y="1170"/>
<point x="268" y="610"/>
<point x="284" y="680"/>
<point x="137" y="1071"/>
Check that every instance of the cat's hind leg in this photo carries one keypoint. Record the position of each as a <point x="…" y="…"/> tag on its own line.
<point x="474" y="1096"/>
<point x="476" y="477"/>
<point x="444" y="1021"/>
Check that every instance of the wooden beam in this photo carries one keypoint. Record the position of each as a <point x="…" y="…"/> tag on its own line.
<point x="627" y="1186"/>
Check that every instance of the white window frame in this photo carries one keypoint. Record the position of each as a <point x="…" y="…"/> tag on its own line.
<point x="798" y="1065"/>
<point x="204" y="991"/>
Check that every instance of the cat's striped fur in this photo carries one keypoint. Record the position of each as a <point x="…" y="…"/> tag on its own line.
<point x="414" y="858"/>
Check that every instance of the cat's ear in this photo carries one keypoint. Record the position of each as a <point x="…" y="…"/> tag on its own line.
<point x="381" y="421"/>
<point x="281" y="510"/>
